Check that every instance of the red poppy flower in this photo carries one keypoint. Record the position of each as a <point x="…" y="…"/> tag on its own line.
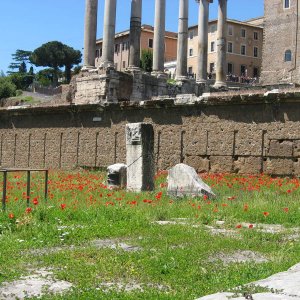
<point x="266" y="213"/>
<point x="28" y="210"/>
<point x="286" y="209"/>
<point x="11" y="216"/>
<point x="35" y="201"/>
<point x="238" y="226"/>
<point x="251" y="226"/>
<point x="63" y="206"/>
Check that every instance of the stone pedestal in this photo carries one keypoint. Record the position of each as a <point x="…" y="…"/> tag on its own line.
<point x="140" y="157"/>
<point x="102" y="86"/>
<point x="138" y="85"/>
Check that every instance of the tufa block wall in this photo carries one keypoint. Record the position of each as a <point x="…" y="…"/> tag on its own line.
<point x="242" y="134"/>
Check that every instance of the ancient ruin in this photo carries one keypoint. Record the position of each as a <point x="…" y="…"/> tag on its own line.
<point x="247" y="131"/>
<point x="105" y="84"/>
<point x="140" y="157"/>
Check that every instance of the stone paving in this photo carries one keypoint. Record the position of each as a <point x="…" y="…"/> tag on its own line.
<point x="284" y="286"/>
<point x="115" y="244"/>
<point x="238" y="257"/>
<point x="41" y="282"/>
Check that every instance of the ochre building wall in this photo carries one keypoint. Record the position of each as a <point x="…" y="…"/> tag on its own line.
<point x="242" y="134"/>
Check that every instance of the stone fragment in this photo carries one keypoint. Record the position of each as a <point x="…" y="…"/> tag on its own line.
<point x="282" y="286"/>
<point x="184" y="181"/>
<point x="117" y="175"/>
<point x="238" y="257"/>
<point x="38" y="284"/>
<point x="140" y="157"/>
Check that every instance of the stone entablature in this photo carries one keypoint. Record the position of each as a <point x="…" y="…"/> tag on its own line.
<point x="248" y="133"/>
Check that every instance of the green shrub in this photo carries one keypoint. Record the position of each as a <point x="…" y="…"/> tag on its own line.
<point x="19" y="92"/>
<point x="7" y="88"/>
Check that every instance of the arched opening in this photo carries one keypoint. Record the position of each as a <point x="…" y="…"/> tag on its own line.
<point x="288" y="55"/>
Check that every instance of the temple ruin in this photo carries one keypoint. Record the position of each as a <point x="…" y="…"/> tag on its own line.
<point x="104" y="84"/>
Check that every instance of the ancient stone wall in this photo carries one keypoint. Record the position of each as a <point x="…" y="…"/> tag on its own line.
<point x="243" y="134"/>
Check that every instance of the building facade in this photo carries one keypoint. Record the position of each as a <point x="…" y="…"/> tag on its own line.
<point x="121" y="46"/>
<point x="244" y="48"/>
<point x="281" y="42"/>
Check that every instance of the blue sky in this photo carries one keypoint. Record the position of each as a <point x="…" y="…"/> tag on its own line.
<point x="27" y="24"/>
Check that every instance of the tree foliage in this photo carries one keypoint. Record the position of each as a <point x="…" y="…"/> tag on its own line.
<point x="7" y="88"/>
<point x="56" y="55"/>
<point x="18" y="74"/>
<point x="147" y="60"/>
<point x="20" y="61"/>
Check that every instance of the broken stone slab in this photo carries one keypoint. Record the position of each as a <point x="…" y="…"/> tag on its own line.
<point x="183" y="180"/>
<point x="286" y="286"/>
<point x="35" y="285"/>
<point x="238" y="257"/>
<point x="115" y="244"/>
<point x="117" y="175"/>
<point x="260" y="296"/>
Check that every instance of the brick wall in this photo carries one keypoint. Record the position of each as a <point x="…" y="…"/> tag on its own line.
<point x="243" y="134"/>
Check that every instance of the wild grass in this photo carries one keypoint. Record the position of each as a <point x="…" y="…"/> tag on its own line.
<point x="173" y="260"/>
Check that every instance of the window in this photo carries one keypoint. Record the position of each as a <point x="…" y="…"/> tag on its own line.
<point x="123" y="46"/>
<point x="288" y="55"/>
<point x="229" y="47"/>
<point x="230" y="68"/>
<point x="230" y="30"/>
<point x="213" y="28"/>
<point x="243" y="70"/>
<point x="191" y="34"/>
<point x="255" y="72"/>
<point x="100" y="52"/>
<point x="243" y="33"/>
<point x="190" y="71"/>
<point x="191" y="52"/>
<point x="286" y="3"/>
<point x="255" y="35"/>
<point x="243" y="50"/>
<point x="150" y="43"/>
<point x="211" y="67"/>
<point x="97" y="53"/>
<point x="212" y="47"/>
<point x="255" y="52"/>
<point x="124" y="64"/>
<point x="117" y="48"/>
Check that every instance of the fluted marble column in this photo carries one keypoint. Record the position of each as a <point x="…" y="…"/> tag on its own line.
<point x="109" y="29"/>
<point x="182" y="43"/>
<point x="221" y="45"/>
<point x="203" y="40"/>
<point x="90" y="32"/>
<point x="135" y="34"/>
<point x="159" y="37"/>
